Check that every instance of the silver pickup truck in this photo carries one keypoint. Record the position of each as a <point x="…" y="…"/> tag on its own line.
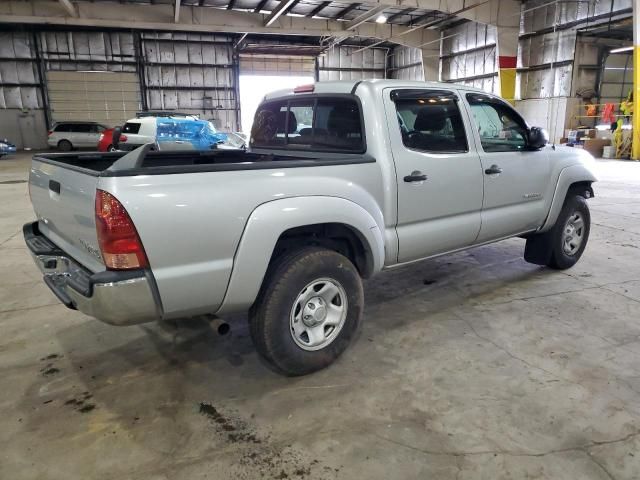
<point x="342" y="180"/>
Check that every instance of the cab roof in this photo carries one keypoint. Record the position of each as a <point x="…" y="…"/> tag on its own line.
<point x="347" y="86"/>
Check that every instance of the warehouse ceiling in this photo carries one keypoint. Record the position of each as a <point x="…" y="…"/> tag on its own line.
<point x="341" y="11"/>
<point x="381" y="23"/>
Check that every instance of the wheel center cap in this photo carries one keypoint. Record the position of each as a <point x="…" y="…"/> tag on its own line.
<point x="315" y="312"/>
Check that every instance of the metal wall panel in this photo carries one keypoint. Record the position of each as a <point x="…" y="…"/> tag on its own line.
<point x="192" y="73"/>
<point x="106" y="97"/>
<point x="96" y="51"/>
<point x="469" y="56"/>
<point x="616" y="78"/>
<point x="405" y="63"/>
<point x="345" y="63"/>
<point x="19" y="80"/>
<point x="267" y="64"/>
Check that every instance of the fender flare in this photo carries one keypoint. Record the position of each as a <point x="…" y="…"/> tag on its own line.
<point x="567" y="177"/>
<point x="268" y="221"/>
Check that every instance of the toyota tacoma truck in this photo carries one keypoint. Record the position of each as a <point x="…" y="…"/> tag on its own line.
<point x="342" y="180"/>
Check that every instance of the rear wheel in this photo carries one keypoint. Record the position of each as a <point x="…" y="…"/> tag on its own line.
<point x="308" y="311"/>
<point x="65" y="145"/>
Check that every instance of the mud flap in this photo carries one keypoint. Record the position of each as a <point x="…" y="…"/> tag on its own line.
<point x="538" y="249"/>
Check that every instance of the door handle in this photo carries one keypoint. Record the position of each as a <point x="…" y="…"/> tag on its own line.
<point x="493" y="169"/>
<point x="416" y="176"/>
<point x="54" y="186"/>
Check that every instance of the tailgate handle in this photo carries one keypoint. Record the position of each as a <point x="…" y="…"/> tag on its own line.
<point x="54" y="186"/>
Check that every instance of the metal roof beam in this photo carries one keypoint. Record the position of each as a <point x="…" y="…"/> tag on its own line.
<point x="347" y="10"/>
<point x="260" y="6"/>
<point x="280" y="10"/>
<point x="318" y="9"/>
<point x="366" y="16"/>
<point x="69" y="7"/>
<point x="406" y="11"/>
<point x="176" y="15"/>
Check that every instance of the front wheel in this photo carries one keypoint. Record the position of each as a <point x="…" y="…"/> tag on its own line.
<point x="308" y="310"/>
<point x="562" y="246"/>
<point x="571" y="233"/>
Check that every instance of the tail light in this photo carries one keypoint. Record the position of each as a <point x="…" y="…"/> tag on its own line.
<point x="117" y="236"/>
<point x="101" y="137"/>
<point x="123" y="138"/>
<point x="49" y="133"/>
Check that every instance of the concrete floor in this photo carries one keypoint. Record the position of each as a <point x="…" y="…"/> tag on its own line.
<point x="472" y="366"/>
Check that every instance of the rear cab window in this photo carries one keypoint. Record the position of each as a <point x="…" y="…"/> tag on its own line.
<point x="320" y="123"/>
<point x="131" y="127"/>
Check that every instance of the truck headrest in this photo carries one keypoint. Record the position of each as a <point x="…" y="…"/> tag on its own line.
<point x="430" y="119"/>
<point x="344" y="120"/>
<point x="293" y="122"/>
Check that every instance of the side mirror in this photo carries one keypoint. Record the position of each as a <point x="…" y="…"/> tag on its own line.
<point x="538" y="138"/>
<point x="115" y="137"/>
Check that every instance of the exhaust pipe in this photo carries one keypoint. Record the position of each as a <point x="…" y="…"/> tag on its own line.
<point x="219" y="325"/>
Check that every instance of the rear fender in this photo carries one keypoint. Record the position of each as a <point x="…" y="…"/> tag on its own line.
<point x="268" y="221"/>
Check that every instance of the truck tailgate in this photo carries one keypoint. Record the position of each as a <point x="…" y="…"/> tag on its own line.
<point x="63" y="198"/>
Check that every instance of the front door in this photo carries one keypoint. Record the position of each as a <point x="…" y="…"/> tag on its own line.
<point x="438" y="172"/>
<point x="516" y="179"/>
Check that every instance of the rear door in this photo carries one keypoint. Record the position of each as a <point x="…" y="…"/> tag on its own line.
<point x="438" y="172"/>
<point x="82" y="134"/>
<point x="515" y="179"/>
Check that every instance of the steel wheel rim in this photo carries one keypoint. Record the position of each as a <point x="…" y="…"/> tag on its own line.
<point x="318" y="314"/>
<point x="573" y="234"/>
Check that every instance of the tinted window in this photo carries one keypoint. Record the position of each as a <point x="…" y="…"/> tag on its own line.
<point x="131" y="127"/>
<point x="81" y="127"/>
<point x="430" y="122"/>
<point x="313" y="122"/>
<point x="500" y="128"/>
<point x="63" y="127"/>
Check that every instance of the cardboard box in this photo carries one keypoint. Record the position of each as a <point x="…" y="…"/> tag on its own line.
<point x="595" y="145"/>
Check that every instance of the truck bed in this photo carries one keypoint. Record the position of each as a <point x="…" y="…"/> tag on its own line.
<point x="170" y="162"/>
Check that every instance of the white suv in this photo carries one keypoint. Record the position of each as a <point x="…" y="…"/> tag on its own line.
<point x="66" y="136"/>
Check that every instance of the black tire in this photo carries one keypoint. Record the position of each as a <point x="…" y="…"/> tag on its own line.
<point x="573" y="205"/>
<point x="65" y="145"/>
<point x="270" y="324"/>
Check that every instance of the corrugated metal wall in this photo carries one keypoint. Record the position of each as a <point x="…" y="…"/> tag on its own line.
<point x="271" y="64"/>
<point x="344" y="63"/>
<point x="545" y="56"/>
<point x="195" y="73"/>
<point x="616" y="78"/>
<point x="192" y="73"/>
<point x="469" y="56"/>
<point x="19" y="79"/>
<point x="405" y="63"/>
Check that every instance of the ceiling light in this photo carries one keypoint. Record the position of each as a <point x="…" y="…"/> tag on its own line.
<point x="621" y="49"/>
<point x="382" y="18"/>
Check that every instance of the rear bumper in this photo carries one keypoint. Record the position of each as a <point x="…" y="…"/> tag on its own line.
<point x="114" y="297"/>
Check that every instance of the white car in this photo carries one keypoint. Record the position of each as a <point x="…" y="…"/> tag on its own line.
<point x="66" y="136"/>
<point x="171" y="131"/>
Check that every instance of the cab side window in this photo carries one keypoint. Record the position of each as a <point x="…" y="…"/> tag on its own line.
<point x="430" y="121"/>
<point x="500" y="128"/>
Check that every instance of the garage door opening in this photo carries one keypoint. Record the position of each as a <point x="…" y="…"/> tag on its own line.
<point x="253" y="88"/>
